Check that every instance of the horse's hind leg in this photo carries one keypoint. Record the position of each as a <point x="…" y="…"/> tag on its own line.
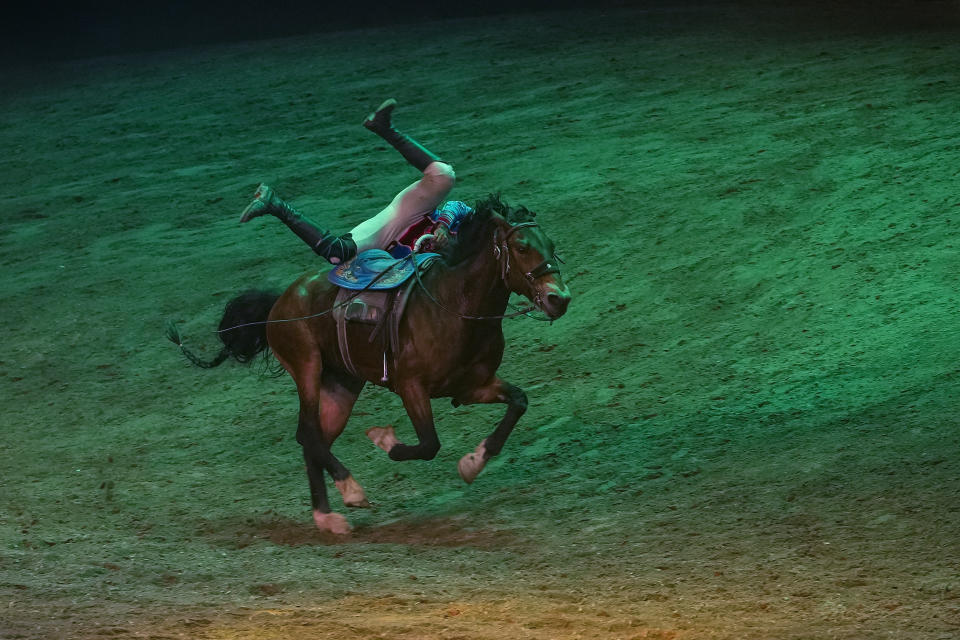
<point x="316" y="448"/>
<point x="338" y="394"/>
<point x="496" y="390"/>
<point x="323" y="517"/>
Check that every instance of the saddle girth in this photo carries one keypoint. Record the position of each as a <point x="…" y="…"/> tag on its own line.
<point x="382" y="311"/>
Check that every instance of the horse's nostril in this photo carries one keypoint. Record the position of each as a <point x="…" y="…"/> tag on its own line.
<point x="557" y="301"/>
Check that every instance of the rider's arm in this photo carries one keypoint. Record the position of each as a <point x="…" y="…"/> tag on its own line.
<point x="451" y="214"/>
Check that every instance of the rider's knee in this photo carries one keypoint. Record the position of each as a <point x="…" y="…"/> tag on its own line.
<point x="441" y="175"/>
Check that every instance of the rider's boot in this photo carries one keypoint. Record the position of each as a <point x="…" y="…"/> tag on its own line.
<point x="412" y="151"/>
<point x="335" y="249"/>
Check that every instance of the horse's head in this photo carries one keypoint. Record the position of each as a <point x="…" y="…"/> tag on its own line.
<point x="529" y="265"/>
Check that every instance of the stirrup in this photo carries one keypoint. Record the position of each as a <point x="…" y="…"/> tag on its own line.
<point x="262" y="201"/>
<point x="379" y="120"/>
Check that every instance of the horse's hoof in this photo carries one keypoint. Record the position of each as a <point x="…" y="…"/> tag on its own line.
<point x="352" y="492"/>
<point x="383" y="437"/>
<point x="473" y="463"/>
<point x="332" y="522"/>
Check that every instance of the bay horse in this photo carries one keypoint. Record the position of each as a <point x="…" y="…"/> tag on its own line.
<point x="451" y="344"/>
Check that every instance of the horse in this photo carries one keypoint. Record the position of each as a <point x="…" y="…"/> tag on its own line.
<point x="451" y="344"/>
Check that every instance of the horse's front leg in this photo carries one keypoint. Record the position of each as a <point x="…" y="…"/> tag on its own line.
<point x="416" y="401"/>
<point x="496" y="390"/>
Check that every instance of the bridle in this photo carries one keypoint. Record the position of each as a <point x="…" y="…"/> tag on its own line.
<point x="501" y="251"/>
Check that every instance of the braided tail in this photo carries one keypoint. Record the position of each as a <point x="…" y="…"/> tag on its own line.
<point x="243" y="329"/>
<point x="173" y="334"/>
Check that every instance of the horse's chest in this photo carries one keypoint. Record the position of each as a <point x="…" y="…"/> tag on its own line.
<point x="470" y="364"/>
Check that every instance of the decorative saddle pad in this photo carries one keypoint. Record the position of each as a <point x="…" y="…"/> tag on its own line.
<point x="375" y="269"/>
<point x="371" y="294"/>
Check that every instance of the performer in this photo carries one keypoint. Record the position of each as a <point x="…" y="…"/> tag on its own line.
<point x="414" y="212"/>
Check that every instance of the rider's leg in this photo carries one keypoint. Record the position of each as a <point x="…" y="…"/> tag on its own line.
<point x="413" y="152"/>
<point x="414" y="202"/>
<point x="408" y="207"/>
<point x="335" y="249"/>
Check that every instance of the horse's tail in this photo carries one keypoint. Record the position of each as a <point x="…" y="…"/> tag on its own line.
<point x="243" y="329"/>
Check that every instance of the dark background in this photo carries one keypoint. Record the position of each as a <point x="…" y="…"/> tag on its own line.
<point x="44" y="31"/>
<point x="37" y="32"/>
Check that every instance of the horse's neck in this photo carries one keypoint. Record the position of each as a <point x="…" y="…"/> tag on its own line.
<point x="477" y="285"/>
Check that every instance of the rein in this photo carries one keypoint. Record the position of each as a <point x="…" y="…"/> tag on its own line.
<point x="416" y="272"/>
<point x="501" y="252"/>
<point x="331" y="309"/>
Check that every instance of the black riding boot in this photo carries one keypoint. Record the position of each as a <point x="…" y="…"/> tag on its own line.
<point x="412" y="151"/>
<point x="334" y="249"/>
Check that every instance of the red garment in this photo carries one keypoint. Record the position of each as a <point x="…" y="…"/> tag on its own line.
<point x="409" y="237"/>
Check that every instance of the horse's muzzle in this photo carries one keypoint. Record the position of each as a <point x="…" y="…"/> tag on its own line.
<point x="555" y="300"/>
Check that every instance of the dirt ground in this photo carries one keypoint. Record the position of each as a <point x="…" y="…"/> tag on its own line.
<point x="745" y="427"/>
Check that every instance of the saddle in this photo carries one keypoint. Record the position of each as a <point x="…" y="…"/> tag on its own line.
<point x="374" y="290"/>
<point x="375" y="269"/>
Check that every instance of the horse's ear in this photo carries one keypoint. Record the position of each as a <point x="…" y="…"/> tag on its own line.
<point x="519" y="214"/>
<point x="524" y="214"/>
<point x="493" y="204"/>
<point x="498" y="205"/>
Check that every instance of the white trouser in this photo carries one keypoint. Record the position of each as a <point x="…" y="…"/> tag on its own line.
<point x="410" y="206"/>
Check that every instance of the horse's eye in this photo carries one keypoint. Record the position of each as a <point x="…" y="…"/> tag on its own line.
<point x="522" y="248"/>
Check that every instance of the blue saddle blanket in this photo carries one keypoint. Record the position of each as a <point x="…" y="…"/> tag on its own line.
<point x="375" y="269"/>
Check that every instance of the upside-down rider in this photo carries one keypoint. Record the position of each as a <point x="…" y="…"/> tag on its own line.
<point x="417" y="211"/>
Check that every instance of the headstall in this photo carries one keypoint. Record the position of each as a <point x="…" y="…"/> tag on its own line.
<point x="501" y="251"/>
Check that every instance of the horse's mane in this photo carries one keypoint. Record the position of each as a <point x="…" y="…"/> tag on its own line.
<point x="474" y="233"/>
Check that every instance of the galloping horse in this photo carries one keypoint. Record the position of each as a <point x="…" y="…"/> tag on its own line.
<point x="450" y="346"/>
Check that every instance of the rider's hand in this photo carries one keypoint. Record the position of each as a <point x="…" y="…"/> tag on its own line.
<point x="441" y="237"/>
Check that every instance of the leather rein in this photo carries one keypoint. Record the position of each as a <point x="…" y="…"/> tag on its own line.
<point x="501" y="251"/>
